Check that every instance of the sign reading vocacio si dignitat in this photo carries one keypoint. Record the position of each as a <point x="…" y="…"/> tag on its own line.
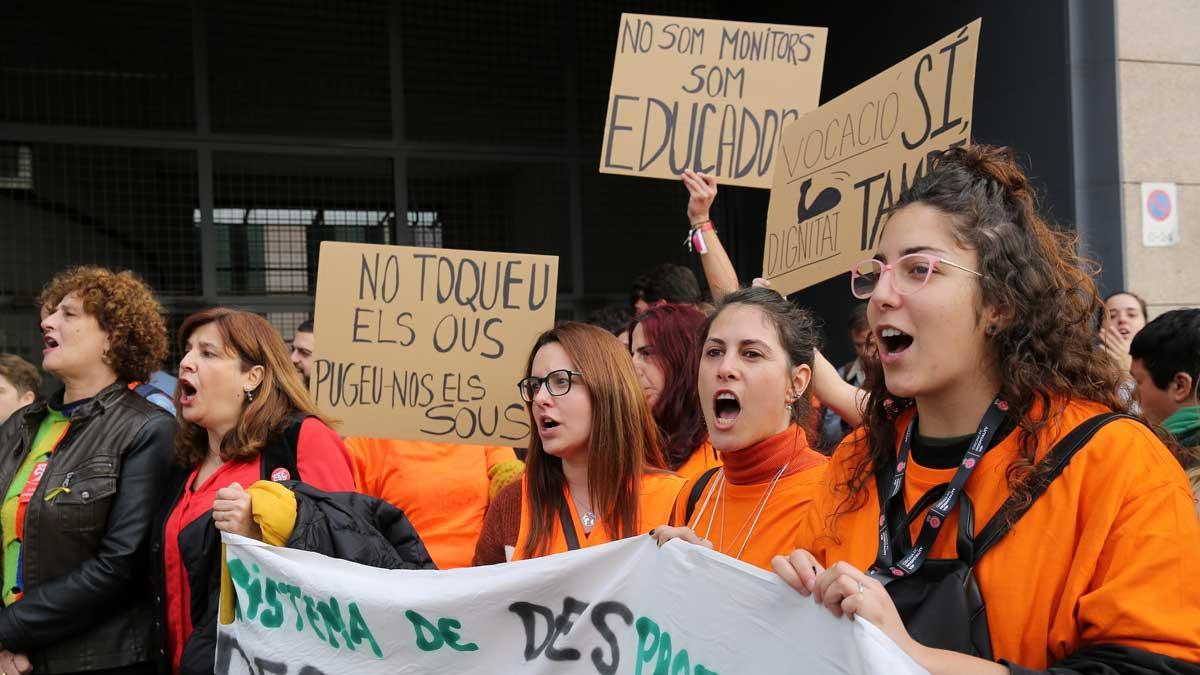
<point x="427" y="343"/>
<point x="624" y="607"/>
<point x="842" y="165"/>
<point x="711" y="96"/>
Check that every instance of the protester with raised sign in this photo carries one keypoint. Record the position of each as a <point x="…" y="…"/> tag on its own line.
<point x="245" y="416"/>
<point x="753" y="388"/>
<point x="594" y="472"/>
<point x="82" y="473"/>
<point x="702" y="236"/>
<point x="666" y="355"/>
<point x="993" y="422"/>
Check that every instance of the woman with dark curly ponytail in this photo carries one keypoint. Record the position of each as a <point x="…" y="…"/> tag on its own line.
<point x="1071" y="528"/>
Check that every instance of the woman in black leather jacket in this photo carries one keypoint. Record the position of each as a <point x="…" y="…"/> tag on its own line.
<point x="80" y="476"/>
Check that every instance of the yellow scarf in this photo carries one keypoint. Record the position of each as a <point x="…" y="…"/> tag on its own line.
<point x="274" y="509"/>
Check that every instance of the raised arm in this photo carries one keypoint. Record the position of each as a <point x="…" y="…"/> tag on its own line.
<point x="718" y="269"/>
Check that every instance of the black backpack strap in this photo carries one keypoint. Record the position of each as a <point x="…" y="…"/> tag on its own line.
<point x="1058" y="458"/>
<point x="568" y="527"/>
<point x="698" y="490"/>
<point x="280" y="452"/>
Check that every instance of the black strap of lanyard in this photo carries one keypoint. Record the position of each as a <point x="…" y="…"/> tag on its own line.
<point x="892" y="506"/>
<point x="568" y="527"/>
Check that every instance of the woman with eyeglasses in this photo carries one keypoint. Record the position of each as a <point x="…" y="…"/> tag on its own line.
<point x="993" y="516"/>
<point x="594" y="472"/>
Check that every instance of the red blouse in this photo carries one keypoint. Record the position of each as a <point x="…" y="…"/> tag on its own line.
<point x="323" y="463"/>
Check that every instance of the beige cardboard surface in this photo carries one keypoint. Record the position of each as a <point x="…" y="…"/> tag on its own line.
<point x="842" y="164"/>
<point x="424" y="343"/>
<point x="711" y="96"/>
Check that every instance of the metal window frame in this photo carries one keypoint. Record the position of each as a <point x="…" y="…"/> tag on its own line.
<point x="399" y="149"/>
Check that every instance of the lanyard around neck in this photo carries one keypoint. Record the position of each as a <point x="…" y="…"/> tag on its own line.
<point x="892" y="504"/>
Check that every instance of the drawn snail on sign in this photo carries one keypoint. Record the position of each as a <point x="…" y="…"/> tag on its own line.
<point x="825" y="201"/>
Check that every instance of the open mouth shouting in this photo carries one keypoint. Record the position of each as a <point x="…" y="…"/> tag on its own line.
<point x="726" y="408"/>
<point x="50" y="344"/>
<point x="187" y="392"/>
<point x="892" y="343"/>
<point x="546" y="425"/>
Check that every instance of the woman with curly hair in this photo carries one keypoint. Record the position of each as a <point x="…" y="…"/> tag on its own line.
<point x="994" y="515"/>
<point x="244" y="416"/>
<point x="81" y="474"/>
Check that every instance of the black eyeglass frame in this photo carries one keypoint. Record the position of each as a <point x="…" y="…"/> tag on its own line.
<point x="525" y="384"/>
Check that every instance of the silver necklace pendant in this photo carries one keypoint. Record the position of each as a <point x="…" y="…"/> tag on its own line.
<point x="588" y="519"/>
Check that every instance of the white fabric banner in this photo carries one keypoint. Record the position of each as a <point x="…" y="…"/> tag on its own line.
<point x="625" y="607"/>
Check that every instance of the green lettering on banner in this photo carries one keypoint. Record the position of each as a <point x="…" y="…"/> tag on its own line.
<point x="431" y="637"/>
<point x="332" y="616"/>
<point x="310" y="611"/>
<point x="270" y="611"/>
<point x="359" y="630"/>
<point x="654" y="646"/>
<point x="449" y="629"/>
<point x="272" y="616"/>
<point x="253" y="587"/>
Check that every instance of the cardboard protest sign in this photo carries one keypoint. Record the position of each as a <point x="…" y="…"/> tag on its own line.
<point x="423" y="343"/>
<point x="711" y="96"/>
<point x="841" y="165"/>
<point x="624" y="607"/>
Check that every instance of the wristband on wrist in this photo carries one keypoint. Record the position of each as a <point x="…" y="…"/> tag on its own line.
<point x="695" y="238"/>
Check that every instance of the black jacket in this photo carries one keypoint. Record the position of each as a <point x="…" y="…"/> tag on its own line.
<point x="86" y="602"/>
<point x="343" y="525"/>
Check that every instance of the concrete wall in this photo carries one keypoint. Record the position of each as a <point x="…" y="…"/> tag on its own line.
<point x="1159" y="94"/>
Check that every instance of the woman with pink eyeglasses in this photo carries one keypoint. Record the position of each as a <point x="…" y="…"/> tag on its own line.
<point x="996" y="513"/>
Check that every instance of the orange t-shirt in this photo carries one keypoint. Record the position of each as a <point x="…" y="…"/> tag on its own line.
<point x="1106" y="555"/>
<point x="441" y="487"/>
<point x="702" y="459"/>
<point x="656" y="502"/>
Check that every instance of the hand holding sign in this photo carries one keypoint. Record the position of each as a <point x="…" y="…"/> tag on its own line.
<point x="702" y="189"/>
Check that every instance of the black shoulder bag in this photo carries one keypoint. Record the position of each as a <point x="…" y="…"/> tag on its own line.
<point x="939" y="600"/>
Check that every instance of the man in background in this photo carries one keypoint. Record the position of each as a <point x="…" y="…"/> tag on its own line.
<point x="665" y="283"/>
<point x="1166" y="367"/>
<point x="1165" y="364"/>
<point x="833" y="428"/>
<point x="302" y="350"/>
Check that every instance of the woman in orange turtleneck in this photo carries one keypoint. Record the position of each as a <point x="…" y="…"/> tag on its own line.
<point x="753" y="379"/>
